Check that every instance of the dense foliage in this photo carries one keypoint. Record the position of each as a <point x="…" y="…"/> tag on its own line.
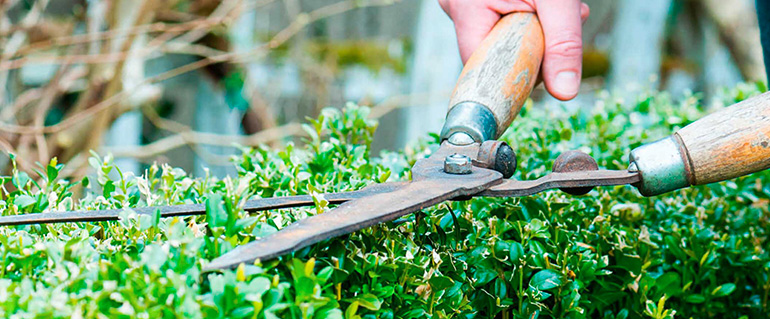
<point x="695" y="253"/>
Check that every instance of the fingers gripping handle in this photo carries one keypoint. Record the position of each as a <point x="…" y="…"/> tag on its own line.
<point x="497" y="79"/>
<point x="727" y="144"/>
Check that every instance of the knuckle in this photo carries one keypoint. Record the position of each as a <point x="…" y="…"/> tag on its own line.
<point x="569" y="45"/>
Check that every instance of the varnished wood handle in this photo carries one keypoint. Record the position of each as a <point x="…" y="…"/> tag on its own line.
<point x="732" y="142"/>
<point x="501" y="73"/>
<point x="729" y="143"/>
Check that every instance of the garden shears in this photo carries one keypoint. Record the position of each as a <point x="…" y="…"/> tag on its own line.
<point x="470" y="162"/>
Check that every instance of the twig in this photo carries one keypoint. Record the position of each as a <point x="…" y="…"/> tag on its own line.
<point x="102" y="121"/>
<point x="124" y="32"/>
<point x="280" y="38"/>
<point x="399" y="101"/>
<point x="199" y="138"/>
<point x="22" y="100"/>
<point x="223" y="12"/>
<point x="195" y="30"/>
<point x="179" y="128"/>
<point x="185" y="136"/>
<point x="8" y="149"/>
<point x="164" y="124"/>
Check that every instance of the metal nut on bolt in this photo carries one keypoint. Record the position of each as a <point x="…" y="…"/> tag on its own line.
<point x="457" y="164"/>
<point x="497" y="155"/>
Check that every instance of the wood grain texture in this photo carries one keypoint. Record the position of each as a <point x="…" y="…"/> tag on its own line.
<point x="503" y="70"/>
<point x="729" y="143"/>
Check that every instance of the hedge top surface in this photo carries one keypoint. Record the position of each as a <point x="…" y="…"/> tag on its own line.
<point x="699" y="252"/>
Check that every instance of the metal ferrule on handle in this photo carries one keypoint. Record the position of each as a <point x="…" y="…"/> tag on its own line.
<point x="471" y="119"/>
<point x="496" y="81"/>
<point x="662" y="165"/>
<point x="730" y="143"/>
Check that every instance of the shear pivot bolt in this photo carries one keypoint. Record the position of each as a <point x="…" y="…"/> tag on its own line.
<point x="457" y="164"/>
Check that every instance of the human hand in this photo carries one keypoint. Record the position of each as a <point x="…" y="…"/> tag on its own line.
<point x="561" y="21"/>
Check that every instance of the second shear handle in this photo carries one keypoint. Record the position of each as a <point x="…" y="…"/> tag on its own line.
<point x="729" y="143"/>
<point x="496" y="80"/>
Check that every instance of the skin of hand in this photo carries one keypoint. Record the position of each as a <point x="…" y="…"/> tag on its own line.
<point x="562" y="29"/>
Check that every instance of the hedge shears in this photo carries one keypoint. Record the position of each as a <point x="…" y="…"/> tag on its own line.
<point x="470" y="162"/>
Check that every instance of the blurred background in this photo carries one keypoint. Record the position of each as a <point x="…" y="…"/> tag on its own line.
<point x="182" y="81"/>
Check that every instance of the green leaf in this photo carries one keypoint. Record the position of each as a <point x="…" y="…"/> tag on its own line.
<point x="108" y="188"/>
<point x="500" y="288"/>
<point x="52" y="173"/>
<point x="669" y="284"/>
<point x="258" y="286"/>
<point x="20" y="180"/>
<point x="215" y="211"/>
<point x="675" y="248"/>
<point x="95" y="163"/>
<point x="482" y="275"/>
<point x="325" y="274"/>
<point x="305" y="287"/>
<point x="369" y="301"/>
<point x="538" y="253"/>
<point x="650" y="308"/>
<point x="546" y="279"/>
<point x="723" y="290"/>
<point x="339" y="275"/>
<point x="24" y="201"/>
<point x="156" y="218"/>
<point x="350" y="313"/>
<point x="631" y="263"/>
<point x="242" y="312"/>
<point x="516" y="251"/>
<point x="438" y="283"/>
<point x="329" y="313"/>
<point x="695" y="298"/>
<point x="262" y="230"/>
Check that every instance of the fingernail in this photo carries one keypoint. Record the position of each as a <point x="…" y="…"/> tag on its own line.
<point x="566" y="83"/>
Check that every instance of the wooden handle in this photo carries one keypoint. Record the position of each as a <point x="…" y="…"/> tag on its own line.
<point x="729" y="143"/>
<point x="503" y="70"/>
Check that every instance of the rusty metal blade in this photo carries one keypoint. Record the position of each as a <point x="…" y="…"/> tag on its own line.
<point x="252" y="205"/>
<point x="518" y="188"/>
<point x="432" y="187"/>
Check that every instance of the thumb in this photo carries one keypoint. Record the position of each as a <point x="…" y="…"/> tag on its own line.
<point x="562" y="29"/>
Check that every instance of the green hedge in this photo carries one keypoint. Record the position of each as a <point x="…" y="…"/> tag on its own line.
<point x="695" y="253"/>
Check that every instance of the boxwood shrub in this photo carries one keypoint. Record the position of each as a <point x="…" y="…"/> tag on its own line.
<point x="695" y="253"/>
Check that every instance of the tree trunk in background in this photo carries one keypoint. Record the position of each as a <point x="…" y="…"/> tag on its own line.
<point x="737" y="23"/>
<point x="637" y="39"/>
<point x="126" y="130"/>
<point x="719" y="68"/>
<point x="434" y="71"/>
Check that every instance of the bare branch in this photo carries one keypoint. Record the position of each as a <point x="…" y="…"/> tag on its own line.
<point x="198" y="138"/>
<point x="280" y="38"/>
<point x="157" y="27"/>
